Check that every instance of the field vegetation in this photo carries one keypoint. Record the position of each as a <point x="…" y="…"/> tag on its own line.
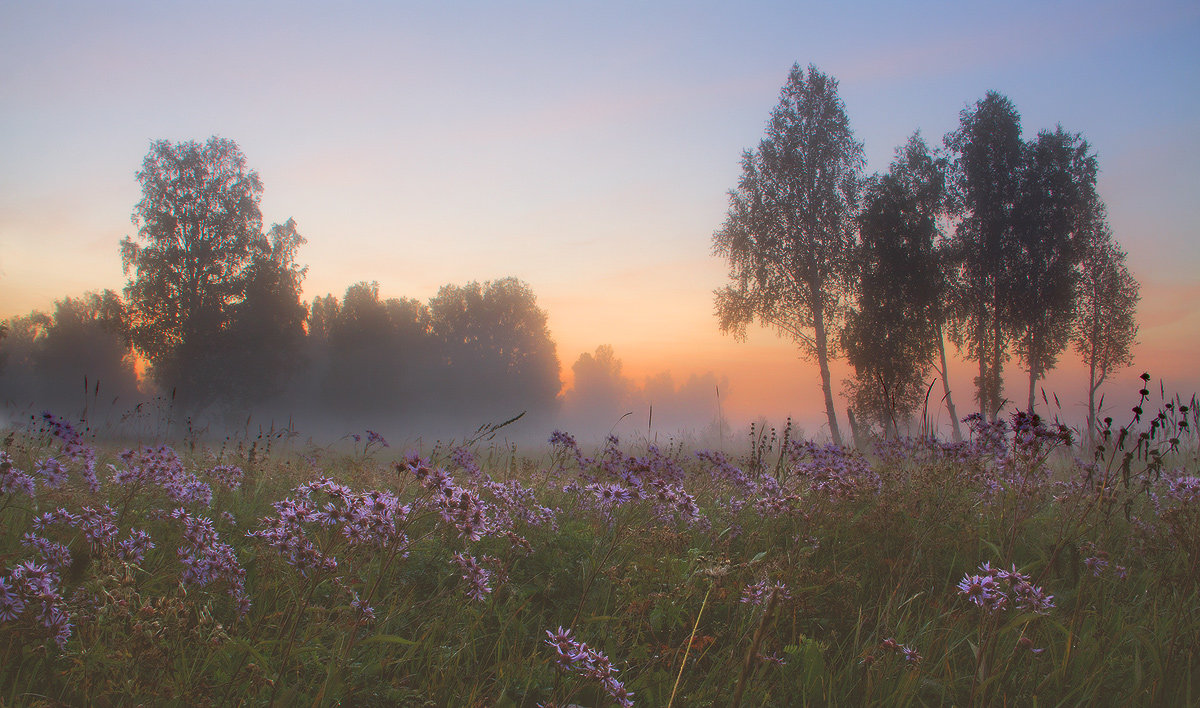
<point x="1012" y="567"/>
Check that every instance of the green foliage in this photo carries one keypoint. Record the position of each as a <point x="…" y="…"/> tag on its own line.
<point x="789" y="232"/>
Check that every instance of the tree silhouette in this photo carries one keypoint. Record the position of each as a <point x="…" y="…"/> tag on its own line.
<point x="198" y="222"/>
<point x="377" y="354"/>
<point x="789" y="231"/>
<point x="496" y="345"/>
<point x="19" y="379"/>
<point x="1058" y="182"/>
<point x="75" y="359"/>
<point x="600" y="394"/>
<point x="266" y="333"/>
<point x="894" y="333"/>
<point x="989" y="154"/>
<point x="1105" y="325"/>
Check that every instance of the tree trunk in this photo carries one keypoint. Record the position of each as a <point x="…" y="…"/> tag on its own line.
<point x="1033" y="369"/>
<point x="946" y="387"/>
<point x="823" y="362"/>
<point x="1093" y="384"/>
<point x="982" y="385"/>
<point x="997" y="384"/>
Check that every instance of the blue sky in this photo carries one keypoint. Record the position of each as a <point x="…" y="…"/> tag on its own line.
<point x="585" y="147"/>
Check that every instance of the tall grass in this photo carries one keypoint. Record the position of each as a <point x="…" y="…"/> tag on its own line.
<point x="917" y="573"/>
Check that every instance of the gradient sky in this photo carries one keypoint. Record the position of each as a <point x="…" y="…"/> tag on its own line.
<point x="585" y="147"/>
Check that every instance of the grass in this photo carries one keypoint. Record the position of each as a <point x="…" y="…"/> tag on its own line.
<point x="793" y="574"/>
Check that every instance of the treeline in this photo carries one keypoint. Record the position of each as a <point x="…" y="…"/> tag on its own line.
<point x="996" y="243"/>
<point x="212" y="313"/>
<point x="211" y="324"/>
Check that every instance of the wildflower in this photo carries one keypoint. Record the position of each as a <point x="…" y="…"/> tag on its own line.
<point x="366" y="613"/>
<point x="912" y="657"/>
<point x="98" y="525"/>
<point x="206" y="559"/>
<point x="1095" y="564"/>
<point x="11" y="604"/>
<point x="228" y="476"/>
<point x="762" y="591"/>
<point x="134" y="548"/>
<point x="56" y="556"/>
<point x="475" y="575"/>
<point x="571" y="655"/>
<point x="13" y="480"/>
<point x="985" y="590"/>
<point x="52" y="471"/>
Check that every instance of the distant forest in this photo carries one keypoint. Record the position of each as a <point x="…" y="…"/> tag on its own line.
<point x="213" y="322"/>
<point x="994" y="243"/>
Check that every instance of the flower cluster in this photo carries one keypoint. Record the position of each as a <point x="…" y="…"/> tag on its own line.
<point x="373" y="518"/>
<point x="994" y="589"/>
<point x="578" y="657"/>
<point x="763" y="591"/>
<point x="227" y="476"/>
<point x="13" y="480"/>
<point x="514" y="502"/>
<point x="206" y="559"/>
<point x="35" y="585"/>
<point x="671" y="501"/>
<point x="832" y="470"/>
<point x="723" y="469"/>
<point x="1184" y="488"/>
<point x="161" y="467"/>
<point x="1097" y="562"/>
<point x="74" y="448"/>
<point x="461" y="507"/>
<point x="477" y="577"/>
<point x="52" y="472"/>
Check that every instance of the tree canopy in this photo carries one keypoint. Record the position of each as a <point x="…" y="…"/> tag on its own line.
<point x="893" y="332"/>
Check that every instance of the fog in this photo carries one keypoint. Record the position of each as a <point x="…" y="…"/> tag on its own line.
<point x="476" y="362"/>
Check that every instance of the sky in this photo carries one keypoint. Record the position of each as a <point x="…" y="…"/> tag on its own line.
<point x="584" y="147"/>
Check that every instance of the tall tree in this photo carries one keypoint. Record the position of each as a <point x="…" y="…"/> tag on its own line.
<point x="266" y="334"/>
<point x="789" y="231"/>
<point x="197" y="223"/>
<point x="1058" y="182"/>
<point x="988" y="157"/>
<point x="893" y="333"/>
<point x="1105" y="324"/>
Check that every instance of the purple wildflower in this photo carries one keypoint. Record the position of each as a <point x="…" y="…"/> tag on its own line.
<point x="13" y="480"/>
<point x="11" y="604"/>
<point x="986" y="590"/>
<point x="228" y="476"/>
<point x="134" y="548"/>
<point x="476" y="576"/>
<point x="52" y="471"/>
<point x="571" y="655"/>
<point x="761" y="592"/>
<point x="55" y="555"/>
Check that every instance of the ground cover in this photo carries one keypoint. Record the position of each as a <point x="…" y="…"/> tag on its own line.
<point x="1009" y="568"/>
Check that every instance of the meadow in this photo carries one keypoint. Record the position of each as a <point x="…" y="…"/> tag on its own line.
<point x="1015" y="567"/>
